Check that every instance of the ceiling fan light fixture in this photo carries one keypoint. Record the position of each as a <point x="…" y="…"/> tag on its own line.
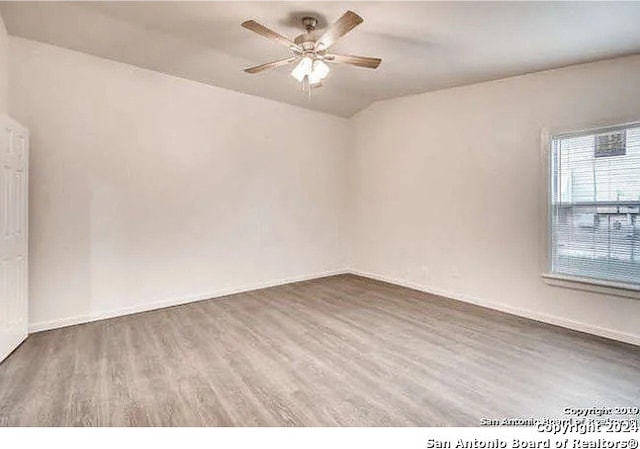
<point x="319" y="72"/>
<point x="304" y="68"/>
<point x="316" y="70"/>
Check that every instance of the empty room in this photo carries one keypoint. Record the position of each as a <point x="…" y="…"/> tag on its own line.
<point x="320" y="214"/>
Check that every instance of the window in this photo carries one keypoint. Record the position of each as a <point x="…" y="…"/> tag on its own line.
<point x="595" y="205"/>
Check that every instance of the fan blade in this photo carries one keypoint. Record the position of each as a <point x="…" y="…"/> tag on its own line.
<point x="269" y="34"/>
<point x="269" y="65"/>
<point x="360" y="61"/>
<point x="342" y="26"/>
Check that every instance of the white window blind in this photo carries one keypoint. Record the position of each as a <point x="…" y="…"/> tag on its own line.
<point x="595" y="205"/>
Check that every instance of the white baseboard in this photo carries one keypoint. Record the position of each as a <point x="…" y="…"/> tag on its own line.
<point x="79" y="319"/>
<point x="537" y="316"/>
<point x="530" y="314"/>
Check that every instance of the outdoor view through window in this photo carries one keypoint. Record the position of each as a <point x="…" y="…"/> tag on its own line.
<point x="595" y="194"/>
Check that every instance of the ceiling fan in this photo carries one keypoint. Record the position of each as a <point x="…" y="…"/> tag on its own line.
<point x="310" y="50"/>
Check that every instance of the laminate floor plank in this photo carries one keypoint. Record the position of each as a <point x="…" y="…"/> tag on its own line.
<point x="337" y="351"/>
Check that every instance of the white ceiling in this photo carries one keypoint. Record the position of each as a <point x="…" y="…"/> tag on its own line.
<point x="423" y="45"/>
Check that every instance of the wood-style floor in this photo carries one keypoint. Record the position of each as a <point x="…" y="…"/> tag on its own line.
<point x="338" y="351"/>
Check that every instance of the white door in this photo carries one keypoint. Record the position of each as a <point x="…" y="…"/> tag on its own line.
<point x="14" y="158"/>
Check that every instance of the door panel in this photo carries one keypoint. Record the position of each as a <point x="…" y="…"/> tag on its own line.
<point x="14" y="157"/>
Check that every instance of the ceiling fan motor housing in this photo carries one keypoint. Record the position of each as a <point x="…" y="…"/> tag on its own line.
<point x="309" y="23"/>
<point x="307" y="40"/>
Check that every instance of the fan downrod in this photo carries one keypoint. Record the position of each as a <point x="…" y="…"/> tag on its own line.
<point x="309" y="23"/>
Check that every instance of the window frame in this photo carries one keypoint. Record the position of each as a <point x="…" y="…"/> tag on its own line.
<point x="602" y="286"/>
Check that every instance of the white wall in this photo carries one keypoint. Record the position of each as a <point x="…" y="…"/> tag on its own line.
<point x="449" y="190"/>
<point x="4" y="68"/>
<point x="148" y="188"/>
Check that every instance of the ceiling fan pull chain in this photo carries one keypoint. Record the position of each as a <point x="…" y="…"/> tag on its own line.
<point x="306" y="86"/>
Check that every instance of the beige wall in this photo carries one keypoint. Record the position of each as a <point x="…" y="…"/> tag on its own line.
<point x="4" y="69"/>
<point x="148" y="189"/>
<point x="449" y="190"/>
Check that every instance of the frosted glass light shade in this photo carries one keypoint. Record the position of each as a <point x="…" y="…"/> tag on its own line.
<point x="319" y="72"/>
<point x="316" y="70"/>
<point x="303" y="68"/>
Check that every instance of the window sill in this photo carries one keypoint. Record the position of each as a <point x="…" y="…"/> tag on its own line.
<point x="593" y="285"/>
